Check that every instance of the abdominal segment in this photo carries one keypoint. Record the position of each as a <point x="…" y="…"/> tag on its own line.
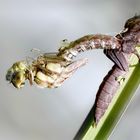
<point x="107" y="90"/>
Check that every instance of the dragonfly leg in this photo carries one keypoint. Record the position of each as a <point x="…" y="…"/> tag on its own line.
<point x="137" y="54"/>
<point x="120" y="79"/>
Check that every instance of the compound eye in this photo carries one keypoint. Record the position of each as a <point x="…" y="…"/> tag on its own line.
<point x="18" y="79"/>
<point x="129" y="24"/>
<point x="133" y="22"/>
<point x="9" y="76"/>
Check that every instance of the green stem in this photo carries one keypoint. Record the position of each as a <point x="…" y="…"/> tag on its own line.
<point x="115" y="110"/>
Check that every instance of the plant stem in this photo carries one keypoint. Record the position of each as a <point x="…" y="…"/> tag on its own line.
<point x="115" y="110"/>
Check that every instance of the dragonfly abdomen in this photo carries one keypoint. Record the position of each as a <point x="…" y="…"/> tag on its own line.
<point x="89" y="42"/>
<point x="97" y="41"/>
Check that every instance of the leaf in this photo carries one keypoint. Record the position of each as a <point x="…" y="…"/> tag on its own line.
<point x="115" y="110"/>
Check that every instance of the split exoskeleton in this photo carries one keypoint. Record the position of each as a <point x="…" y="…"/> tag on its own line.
<point x="51" y="70"/>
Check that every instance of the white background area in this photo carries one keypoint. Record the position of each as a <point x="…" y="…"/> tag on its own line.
<point x="57" y="114"/>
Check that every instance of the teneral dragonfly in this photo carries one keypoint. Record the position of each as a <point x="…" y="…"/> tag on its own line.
<point x="47" y="70"/>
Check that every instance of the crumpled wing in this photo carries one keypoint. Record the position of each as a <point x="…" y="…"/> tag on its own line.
<point x="69" y="70"/>
<point x="118" y="58"/>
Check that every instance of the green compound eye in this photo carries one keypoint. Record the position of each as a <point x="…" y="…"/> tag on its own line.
<point x="18" y="79"/>
<point x="9" y="75"/>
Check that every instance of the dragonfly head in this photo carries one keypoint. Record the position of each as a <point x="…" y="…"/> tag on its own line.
<point x="133" y="23"/>
<point x="17" y="74"/>
<point x="131" y="31"/>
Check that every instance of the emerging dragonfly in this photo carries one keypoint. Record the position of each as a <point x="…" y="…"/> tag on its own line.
<point x="47" y="70"/>
<point x="52" y="70"/>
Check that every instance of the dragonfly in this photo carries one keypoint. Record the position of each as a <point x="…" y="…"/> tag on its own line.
<point x="47" y="70"/>
<point x="52" y="70"/>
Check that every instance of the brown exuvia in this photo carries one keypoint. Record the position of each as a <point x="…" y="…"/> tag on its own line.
<point x="107" y="90"/>
<point x="130" y="38"/>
